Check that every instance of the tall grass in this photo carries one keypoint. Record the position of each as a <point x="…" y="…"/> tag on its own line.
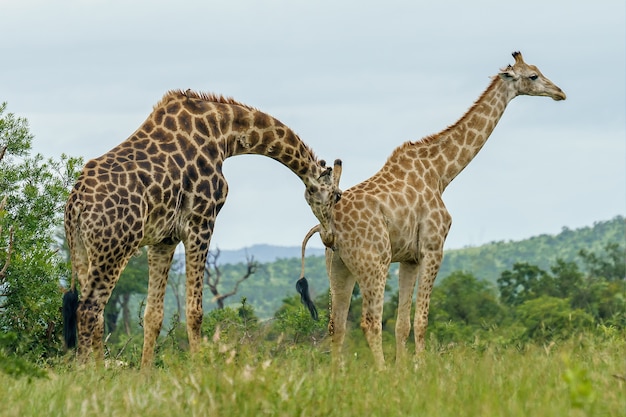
<point x="584" y="376"/>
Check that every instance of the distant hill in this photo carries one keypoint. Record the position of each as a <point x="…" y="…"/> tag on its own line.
<point x="264" y="253"/>
<point x="280" y="266"/>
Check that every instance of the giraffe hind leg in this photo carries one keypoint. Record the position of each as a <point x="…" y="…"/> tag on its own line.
<point x="95" y="293"/>
<point x="406" y="287"/>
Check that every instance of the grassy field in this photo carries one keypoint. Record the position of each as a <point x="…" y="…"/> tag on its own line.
<point x="583" y="376"/>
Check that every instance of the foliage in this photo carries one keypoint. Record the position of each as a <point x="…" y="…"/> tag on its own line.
<point x="488" y="261"/>
<point x="231" y="324"/>
<point x="274" y="281"/>
<point x="35" y="190"/>
<point x="523" y="283"/>
<point x="13" y="365"/>
<point x="294" y="322"/>
<point x="546" y="319"/>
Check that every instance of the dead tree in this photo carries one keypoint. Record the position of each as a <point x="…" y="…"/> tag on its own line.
<point x="213" y="275"/>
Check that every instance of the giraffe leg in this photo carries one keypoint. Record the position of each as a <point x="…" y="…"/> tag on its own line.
<point x="95" y="293"/>
<point x="371" y="319"/>
<point x="406" y="286"/>
<point x="429" y="266"/>
<point x="159" y="263"/>
<point x="341" y="287"/>
<point x="195" y="259"/>
<point x="85" y="324"/>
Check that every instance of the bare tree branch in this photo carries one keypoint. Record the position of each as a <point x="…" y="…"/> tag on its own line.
<point x="214" y="275"/>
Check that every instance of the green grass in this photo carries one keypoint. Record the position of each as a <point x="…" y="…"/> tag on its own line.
<point x="583" y="376"/>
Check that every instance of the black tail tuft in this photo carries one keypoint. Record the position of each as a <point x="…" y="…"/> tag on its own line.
<point x="302" y="286"/>
<point x="70" y="305"/>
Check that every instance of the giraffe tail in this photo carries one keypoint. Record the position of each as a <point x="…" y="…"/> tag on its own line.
<point x="302" y="285"/>
<point x="69" y="309"/>
<point x="70" y="306"/>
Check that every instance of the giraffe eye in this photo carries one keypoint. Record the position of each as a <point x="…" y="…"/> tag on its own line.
<point x="534" y="77"/>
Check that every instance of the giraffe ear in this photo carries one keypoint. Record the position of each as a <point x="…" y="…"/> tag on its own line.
<point x="508" y="74"/>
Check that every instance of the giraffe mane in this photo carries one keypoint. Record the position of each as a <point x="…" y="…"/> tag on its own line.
<point x="206" y="96"/>
<point x="432" y="138"/>
<point x="219" y="98"/>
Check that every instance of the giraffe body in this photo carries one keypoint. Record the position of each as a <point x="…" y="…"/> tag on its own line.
<point x="398" y="215"/>
<point x="162" y="186"/>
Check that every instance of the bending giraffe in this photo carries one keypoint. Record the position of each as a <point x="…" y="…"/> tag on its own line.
<point x="164" y="185"/>
<point x="398" y="215"/>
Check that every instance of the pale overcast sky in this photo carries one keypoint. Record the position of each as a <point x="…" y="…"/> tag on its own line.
<point x="354" y="79"/>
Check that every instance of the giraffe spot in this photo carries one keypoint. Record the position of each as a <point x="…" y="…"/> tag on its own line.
<point x="203" y="187"/>
<point x="158" y="116"/>
<point x="170" y="123"/>
<point x="184" y="121"/>
<point x="240" y="120"/>
<point x="148" y="127"/>
<point x="212" y="151"/>
<point x="153" y="150"/>
<point x="168" y="147"/>
<point x="202" y="128"/>
<point x="162" y="135"/>
<point x="291" y="139"/>
<point x="173" y="108"/>
<point x="192" y="173"/>
<point x="262" y="120"/>
<point x="477" y="122"/>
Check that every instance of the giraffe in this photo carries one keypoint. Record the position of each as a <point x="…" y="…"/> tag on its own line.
<point x="164" y="185"/>
<point x="398" y="215"/>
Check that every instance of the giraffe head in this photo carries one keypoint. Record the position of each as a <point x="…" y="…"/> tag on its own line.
<point x="324" y="192"/>
<point x="525" y="79"/>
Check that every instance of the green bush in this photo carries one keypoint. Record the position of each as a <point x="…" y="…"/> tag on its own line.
<point x="549" y="318"/>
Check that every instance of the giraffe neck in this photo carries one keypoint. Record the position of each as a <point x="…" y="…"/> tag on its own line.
<point x="456" y="146"/>
<point x="277" y="142"/>
<point x="239" y="130"/>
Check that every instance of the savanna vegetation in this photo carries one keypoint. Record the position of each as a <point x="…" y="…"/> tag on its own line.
<point x="516" y="328"/>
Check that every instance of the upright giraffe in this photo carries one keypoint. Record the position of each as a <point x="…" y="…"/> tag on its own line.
<point x="398" y="215"/>
<point x="164" y="185"/>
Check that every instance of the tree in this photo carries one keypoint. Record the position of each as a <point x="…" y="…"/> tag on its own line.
<point x="464" y="298"/>
<point x="611" y="266"/>
<point x="524" y="282"/>
<point x="548" y="318"/>
<point x="34" y="191"/>
<point x="213" y="275"/>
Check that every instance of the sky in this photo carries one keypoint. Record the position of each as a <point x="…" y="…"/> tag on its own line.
<point x="354" y="79"/>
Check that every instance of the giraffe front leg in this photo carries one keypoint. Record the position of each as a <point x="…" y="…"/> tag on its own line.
<point x="195" y="259"/>
<point x="159" y="263"/>
<point x="341" y="287"/>
<point x="429" y="266"/>
<point x="406" y="285"/>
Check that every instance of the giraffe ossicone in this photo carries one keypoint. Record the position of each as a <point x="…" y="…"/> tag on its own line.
<point x="398" y="215"/>
<point x="161" y="186"/>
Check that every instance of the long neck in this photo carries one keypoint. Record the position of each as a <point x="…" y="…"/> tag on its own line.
<point x="244" y="130"/>
<point x="456" y="146"/>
